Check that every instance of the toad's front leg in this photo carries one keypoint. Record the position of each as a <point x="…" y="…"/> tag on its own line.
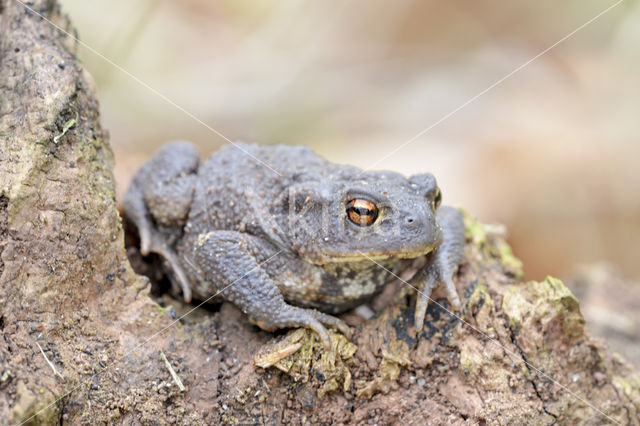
<point x="234" y="264"/>
<point x="441" y="264"/>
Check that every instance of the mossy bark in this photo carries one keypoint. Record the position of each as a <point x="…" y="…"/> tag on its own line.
<point x="516" y="352"/>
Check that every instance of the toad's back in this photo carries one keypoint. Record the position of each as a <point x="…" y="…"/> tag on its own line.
<point x="244" y="183"/>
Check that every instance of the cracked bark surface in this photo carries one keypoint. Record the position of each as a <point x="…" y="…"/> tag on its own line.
<point x="516" y="352"/>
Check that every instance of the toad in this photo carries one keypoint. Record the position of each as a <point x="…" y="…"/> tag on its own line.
<point x="288" y="237"/>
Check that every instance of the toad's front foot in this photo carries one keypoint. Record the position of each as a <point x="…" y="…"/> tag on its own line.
<point x="442" y="264"/>
<point x="291" y="316"/>
<point x="425" y="281"/>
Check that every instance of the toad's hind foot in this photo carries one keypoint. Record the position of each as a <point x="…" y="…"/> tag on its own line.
<point x="161" y="194"/>
<point x="178" y="278"/>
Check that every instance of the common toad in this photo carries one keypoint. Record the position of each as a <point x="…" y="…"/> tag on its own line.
<point x="320" y="236"/>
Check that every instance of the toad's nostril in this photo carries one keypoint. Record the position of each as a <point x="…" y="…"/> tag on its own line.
<point x="410" y="220"/>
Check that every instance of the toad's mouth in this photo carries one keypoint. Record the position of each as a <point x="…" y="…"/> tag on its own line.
<point x="363" y="256"/>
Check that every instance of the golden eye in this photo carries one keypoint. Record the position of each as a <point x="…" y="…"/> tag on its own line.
<point x="437" y="199"/>
<point x="362" y="212"/>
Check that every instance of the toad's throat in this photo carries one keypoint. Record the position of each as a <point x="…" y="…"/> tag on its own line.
<point x="357" y="256"/>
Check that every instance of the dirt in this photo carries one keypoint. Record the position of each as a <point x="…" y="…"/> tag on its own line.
<point x="83" y="334"/>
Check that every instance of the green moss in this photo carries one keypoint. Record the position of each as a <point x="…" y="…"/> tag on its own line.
<point x="543" y="302"/>
<point x="395" y="357"/>
<point x="507" y="259"/>
<point x="160" y="309"/>
<point x="298" y="364"/>
<point x="230" y="419"/>
<point x="35" y="409"/>
<point x="617" y="358"/>
<point x="397" y="352"/>
<point x="473" y="230"/>
<point x="554" y="299"/>
<point x="388" y="374"/>
<point x="470" y="364"/>
<point x="489" y="239"/>
<point x="515" y="306"/>
<point x="328" y="386"/>
<point x="629" y="386"/>
<point x="294" y="355"/>
<point x="480" y="295"/>
<point x="331" y="364"/>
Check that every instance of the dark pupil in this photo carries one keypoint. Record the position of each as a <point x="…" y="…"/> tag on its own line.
<point x="438" y="198"/>
<point x="362" y="211"/>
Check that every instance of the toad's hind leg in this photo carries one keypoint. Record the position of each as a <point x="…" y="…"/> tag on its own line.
<point x="162" y="192"/>
<point x="442" y="264"/>
<point x="235" y="264"/>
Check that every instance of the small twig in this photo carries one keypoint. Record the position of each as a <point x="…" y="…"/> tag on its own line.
<point x="173" y="373"/>
<point x="68" y="125"/>
<point x="49" y="362"/>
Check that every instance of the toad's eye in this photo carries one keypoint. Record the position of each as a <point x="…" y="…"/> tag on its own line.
<point x="437" y="199"/>
<point x="362" y="212"/>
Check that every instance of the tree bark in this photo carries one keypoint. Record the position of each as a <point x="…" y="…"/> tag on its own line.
<point x="83" y="341"/>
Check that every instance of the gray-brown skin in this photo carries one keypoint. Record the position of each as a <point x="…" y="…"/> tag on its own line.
<point x="267" y="228"/>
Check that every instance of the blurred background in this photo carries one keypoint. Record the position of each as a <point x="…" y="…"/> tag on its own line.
<point x="552" y="152"/>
